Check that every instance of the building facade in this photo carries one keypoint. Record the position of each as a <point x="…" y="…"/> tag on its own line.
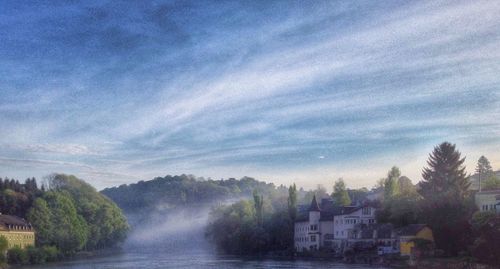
<point x="488" y="200"/>
<point x="329" y="226"/>
<point x="17" y="231"/>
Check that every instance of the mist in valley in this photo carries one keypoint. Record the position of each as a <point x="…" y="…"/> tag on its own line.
<point x="172" y="229"/>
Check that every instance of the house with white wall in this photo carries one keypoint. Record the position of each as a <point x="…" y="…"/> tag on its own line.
<point x="488" y="200"/>
<point x="329" y="226"/>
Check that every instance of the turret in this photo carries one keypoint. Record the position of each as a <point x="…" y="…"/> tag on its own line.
<point x="314" y="211"/>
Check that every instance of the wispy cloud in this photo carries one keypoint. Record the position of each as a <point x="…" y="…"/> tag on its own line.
<point x="227" y="89"/>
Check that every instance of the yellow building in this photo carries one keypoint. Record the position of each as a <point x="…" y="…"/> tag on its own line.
<point x="17" y="231"/>
<point x="408" y="234"/>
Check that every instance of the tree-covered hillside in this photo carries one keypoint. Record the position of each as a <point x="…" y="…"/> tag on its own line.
<point x="67" y="214"/>
<point x="184" y="190"/>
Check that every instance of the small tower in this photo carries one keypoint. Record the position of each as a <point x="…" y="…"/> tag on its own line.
<point x="314" y="212"/>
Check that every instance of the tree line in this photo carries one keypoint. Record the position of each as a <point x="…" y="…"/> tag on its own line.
<point x="67" y="214"/>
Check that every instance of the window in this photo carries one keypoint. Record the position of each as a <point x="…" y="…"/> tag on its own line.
<point x="367" y="211"/>
<point x="313" y="238"/>
<point x="314" y="227"/>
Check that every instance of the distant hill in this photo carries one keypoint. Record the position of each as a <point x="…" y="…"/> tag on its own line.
<point x="172" y="211"/>
<point x="163" y="193"/>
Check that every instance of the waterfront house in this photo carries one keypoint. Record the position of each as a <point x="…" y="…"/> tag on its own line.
<point x="328" y="226"/>
<point x="17" y="231"/>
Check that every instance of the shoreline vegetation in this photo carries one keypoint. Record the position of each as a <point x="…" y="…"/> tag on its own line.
<point x="69" y="216"/>
<point x="254" y="219"/>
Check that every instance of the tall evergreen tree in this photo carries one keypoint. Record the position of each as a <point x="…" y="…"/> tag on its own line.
<point x="445" y="175"/>
<point x="340" y="194"/>
<point x="445" y="207"/>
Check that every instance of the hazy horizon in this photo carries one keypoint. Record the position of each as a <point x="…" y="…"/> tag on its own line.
<point x="283" y="92"/>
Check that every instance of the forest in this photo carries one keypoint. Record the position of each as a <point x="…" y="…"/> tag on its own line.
<point x="184" y="190"/>
<point x="68" y="215"/>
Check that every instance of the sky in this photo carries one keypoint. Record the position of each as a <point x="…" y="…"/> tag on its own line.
<point x="283" y="91"/>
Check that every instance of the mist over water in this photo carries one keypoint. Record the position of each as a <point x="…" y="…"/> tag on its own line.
<point x="177" y="229"/>
<point x="174" y="238"/>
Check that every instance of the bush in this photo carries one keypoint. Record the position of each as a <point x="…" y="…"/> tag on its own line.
<point x="51" y="253"/>
<point x="3" y="248"/>
<point x="36" y="255"/>
<point x="17" y="256"/>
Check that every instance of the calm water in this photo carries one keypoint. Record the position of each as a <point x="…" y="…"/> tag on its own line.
<point x="161" y="243"/>
<point x="155" y="259"/>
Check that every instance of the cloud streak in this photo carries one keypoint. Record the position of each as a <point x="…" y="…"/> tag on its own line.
<point x="228" y="89"/>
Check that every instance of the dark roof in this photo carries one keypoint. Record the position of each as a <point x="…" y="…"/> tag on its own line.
<point x="314" y="205"/>
<point x="489" y="192"/>
<point x="327" y="210"/>
<point x="8" y="222"/>
<point x="411" y="229"/>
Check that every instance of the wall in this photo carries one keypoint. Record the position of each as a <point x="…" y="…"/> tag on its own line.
<point x="344" y="224"/>
<point x="21" y="239"/>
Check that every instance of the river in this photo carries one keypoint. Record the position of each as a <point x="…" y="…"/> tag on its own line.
<point x="179" y="242"/>
<point x="156" y="258"/>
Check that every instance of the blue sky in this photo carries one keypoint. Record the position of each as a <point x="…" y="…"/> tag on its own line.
<point x="285" y="91"/>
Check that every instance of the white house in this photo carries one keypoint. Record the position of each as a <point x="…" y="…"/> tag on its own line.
<point x="313" y="230"/>
<point x="347" y="222"/>
<point x="488" y="200"/>
<point x="329" y="226"/>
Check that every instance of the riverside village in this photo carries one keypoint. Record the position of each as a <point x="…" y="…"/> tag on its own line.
<point x="324" y="228"/>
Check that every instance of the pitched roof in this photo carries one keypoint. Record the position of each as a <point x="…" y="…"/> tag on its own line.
<point x="8" y="222"/>
<point x="411" y="229"/>
<point x="327" y="210"/>
<point x="314" y="205"/>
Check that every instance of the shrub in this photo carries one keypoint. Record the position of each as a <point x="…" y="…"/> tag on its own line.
<point x="17" y="255"/>
<point x="36" y="255"/>
<point x="51" y="253"/>
<point x="3" y="248"/>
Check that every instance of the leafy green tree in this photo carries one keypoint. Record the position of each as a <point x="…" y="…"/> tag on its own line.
<point x="40" y="216"/>
<point x="483" y="169"/>
<point x="491" y="183"/>
<point x="340" y="195"/>
<point x="106" y="223"/>
<point x="391" y="187"/>
<point x="445" y="206"/>
<point x="406" y="187"/>
<point x="72" y="230"/>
